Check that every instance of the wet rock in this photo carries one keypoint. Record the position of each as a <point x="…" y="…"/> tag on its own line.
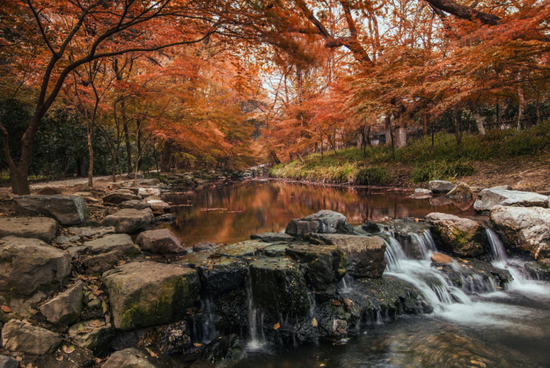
<point x="109" y="243"/>
<point x="272" y="237"/>
<point x="120" y="196"/>
<point x="488" y="199"/>
<point x="25" y="338"/>
<point x="42" y="228"/>
<point x="326" y="265"/>
<point x="537" y="270"/>
<point x="135" y="358"/>
<point x="97" y="264"/>
<point x="414" y="236"/>
<point x="160" y="241"/>
<point x="462" y="193"/>
<point x="75" y="357"/>
<point x="524" y="228"/>
<point x="28" y="264"/>
<point x="158" y="206"/>
<point x="92" y="232"/>
<point x="8" y="362"/>
<point x="129" y="220"/>
<point x="324" y="222"/>
<point x="223" y="276"/>
<point x="94" y="334"/>
<point x="242" y="249"/>
<point x="173" y="338"/>
<point x="476" y="276"/>
<point x="223" y="351"/>
<point x="135" y="204"/>
<point x="420" y="193"/>
<point x="370" y="227"/>
<point x="166" y="218"/>
<point x="65" y="209"/>
<point x="150" y="182"/>
<point x="440" y="186"/>
<point x="276" y="249"/>
<point x="203" y="246"/>
<point x="279" y="285"/>
<point x="66" y="307"/>
<point x="148" y="293"/>
<point x="441" y="258"/>
<point x="364" y="254"/>
<point x="460" y="236"/>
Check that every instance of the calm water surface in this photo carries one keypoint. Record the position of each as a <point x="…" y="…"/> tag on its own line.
<point x="232" y="214"/>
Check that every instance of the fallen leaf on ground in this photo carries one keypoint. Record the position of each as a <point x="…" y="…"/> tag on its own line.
<point x="277" y="326"/>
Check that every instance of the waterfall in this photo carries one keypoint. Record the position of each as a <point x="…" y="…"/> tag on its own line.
<point x="498" y="252"/>
<point x="255" y="323"/>
<point x="208" y="326"/>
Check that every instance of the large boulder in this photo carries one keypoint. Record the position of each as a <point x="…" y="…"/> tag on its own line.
<point x="462" y="193"/>
<point x="42" y="228"/>
<point x="364" y="254"/>
<point x="148" y="293"/>
<point x="487" y="199"/>
<point x="25" y="338"/>
<point x="461" y="236"/>
<point x="324" y="222"/>
<point x="325" y="265"/>
<point x="94" y="334"/>
<point x="109" y="243"/>
<point x="65" y="209"/>
<point x="279" y="285"/>
<point x="66" y="307"/>
<point x="161" y="241"/>
<point x="28" y="264"/>
<point x="524" y="228"/>
<point x="135" y="358"/>
<point x="129" y="220"/>
<point x="440" y="186"/>
<point x="135" y="204"/>
<point x="120" y="196"/>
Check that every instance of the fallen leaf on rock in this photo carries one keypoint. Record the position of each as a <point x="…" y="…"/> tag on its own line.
<point x="68" y="349"/>
<point x="277" y="326"/>
<point x="314" y="322"/>
<point x="5" y="309"/>
<point x="197" y="344"/>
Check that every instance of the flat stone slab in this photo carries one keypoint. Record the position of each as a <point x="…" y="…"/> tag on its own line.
<point x="272" y="237"/>
<point x="28" y="264"/>
<point x="65" y="308"/>
<point x="65" y="209"/>
<point x="129" y="220"/>
<point x="145" y="294"/>
<point x="133" y="358"/>
<point x="94" y="334"/>
<point x="459" y="235"/>
<point x="42" y="228"/>
<point x="488" y="199"/>
<point x="120" y="196"/>
<point x="26" y="338"/>
<point x="109" y="243"/>
<point x="92" y="232"/>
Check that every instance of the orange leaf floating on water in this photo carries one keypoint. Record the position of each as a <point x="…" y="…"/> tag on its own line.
<point x="277" y="326"/>
<point x="6" y="309"/>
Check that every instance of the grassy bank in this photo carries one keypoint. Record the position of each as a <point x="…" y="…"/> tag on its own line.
<point x="421" y="160"/>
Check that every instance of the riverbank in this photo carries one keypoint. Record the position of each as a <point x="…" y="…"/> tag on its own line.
<point x="520" y="160"/>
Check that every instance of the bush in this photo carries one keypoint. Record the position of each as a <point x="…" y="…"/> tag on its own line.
<point x="375" y="175"/>
<point x="442" y="170"/>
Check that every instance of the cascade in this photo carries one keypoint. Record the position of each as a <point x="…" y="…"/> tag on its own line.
<point x="257" y="338"/>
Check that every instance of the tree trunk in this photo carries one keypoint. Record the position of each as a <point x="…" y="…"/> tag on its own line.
<point x="458" y="135"/>
<point x="479" y="123"/>
<point x="128" y="147"/>
<point x="91" y="162"/>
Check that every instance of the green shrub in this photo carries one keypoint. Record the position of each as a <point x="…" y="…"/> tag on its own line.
<point x="375" y="175"/>
<point x="442" y="170"/>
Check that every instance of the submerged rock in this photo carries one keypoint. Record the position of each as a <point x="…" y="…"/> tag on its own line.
<point x="129" y="220"/>
<point x="458" y="235"/>
<point x="148" y="293"/>
<point x="66" y="307"/>
<point x="25" y="338"/>
<point x="364" y="254"/>
<point x="324" y="222"/>
<point x="421" y="193"/>
<point x="524" y="228"/>
<point x="65" y="209"/>
<point x="223" y="351"/>
<point x="488" y="199"/>
<point x="29" y="264"/>
<point x="42" y="228"/>
<point x="440" y="186"/>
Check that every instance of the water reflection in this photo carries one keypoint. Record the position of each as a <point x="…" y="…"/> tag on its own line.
<point x="232" y="214"/>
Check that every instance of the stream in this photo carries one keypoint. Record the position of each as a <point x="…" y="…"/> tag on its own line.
<point x="477" y="325"/>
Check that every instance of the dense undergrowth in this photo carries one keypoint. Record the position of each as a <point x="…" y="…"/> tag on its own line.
<point x="429" y="159"/>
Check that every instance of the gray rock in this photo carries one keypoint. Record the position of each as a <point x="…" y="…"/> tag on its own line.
<point x="537" y="270"/>
<point x="487" y="199"/>
<point x="135" y="204"/>
<point x="461" y="236"/>
<point x="204" y="246"/>
<point x="8" y="362"/>
<point x="129" y="220"/>
<point x="440" y="186"/>
<point x="166" y="218"/>
<point x="149" y="182"/>
<point x="28" y="264"/>
<point x="133" y="175"/>
<point x="64" y="241"/>
<point x="109" y="243"/>
<point x="100" y="263"/>
<point x="149" y="293"/>
<point x="66" y="307"/>
<point x="158" y="206"/>
<point x="462" y="192"/>
<point x="50" y="191"/>
<point x="223" y="351"/>
<point x="326" y="265"/>
<point x="160" y="241"/>
<point x="25" y="338"/>
<point x="119" y="196"/>
<point x="94" y="334"/>
<point x="325" y="222"/>
<point x="135" y="358"/>
<point x="92" y="232"/>
<point x="65" y="209"/>
<point x="421" y="193"/>
<point x="272" y="237"/>
<point x="364" y="254"/>
<point x="524" y="228"/>
<point x="42" y="228"/>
